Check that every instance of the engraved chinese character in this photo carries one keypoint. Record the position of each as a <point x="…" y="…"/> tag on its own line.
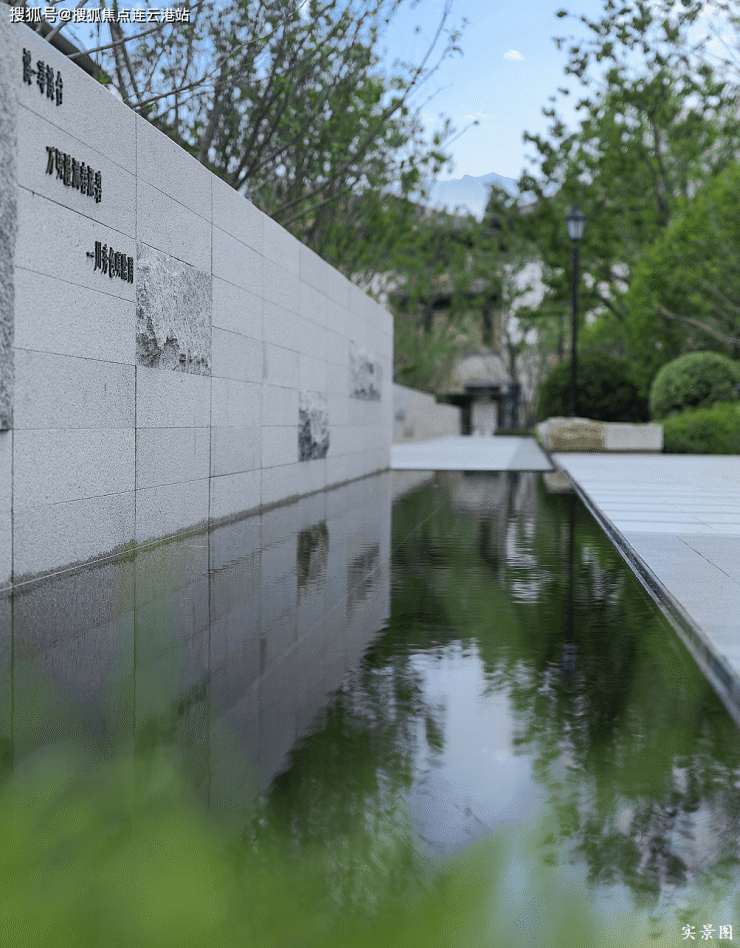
<point x="75" y="174"/>
<point x="707" y="932"/>
<point x="123" y="268"/>
<point x="59" y="163"/>
<point x="98" y="256"/>
<point x="67" y="170"/>
<point x="98" y="187"/>
<point x="90" y="182"/>
<point x="59" y="88"/>
<point x="131" y="280"/>
<point x="49" y="83"/>
<point x="27" y="71"/>
<point x="688" y="931"/>
<point x="83" y="178"/>
<point x="725" y="931"/>
<point x="50" y="162"/>
<point x="104" y="258"/>
<point x="40" y="74"/>
<point x="113" y="258"/>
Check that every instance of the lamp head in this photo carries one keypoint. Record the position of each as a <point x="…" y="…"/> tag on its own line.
<point x="576" y="221"/>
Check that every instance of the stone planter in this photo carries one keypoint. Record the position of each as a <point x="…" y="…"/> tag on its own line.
<point x="583" y="434"/>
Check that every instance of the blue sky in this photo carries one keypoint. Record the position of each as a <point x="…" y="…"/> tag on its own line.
<point x="509" y="67"/>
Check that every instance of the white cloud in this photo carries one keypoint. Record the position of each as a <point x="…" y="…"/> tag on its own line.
<point x="513" y="54"/>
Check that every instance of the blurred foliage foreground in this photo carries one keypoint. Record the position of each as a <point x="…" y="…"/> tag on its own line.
<point x="121" y="856"/>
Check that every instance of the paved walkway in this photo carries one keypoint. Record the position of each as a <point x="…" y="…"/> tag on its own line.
<point x="676" y="519"/>
<point x="499" y="453"/>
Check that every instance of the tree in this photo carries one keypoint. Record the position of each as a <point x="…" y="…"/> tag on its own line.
<point x="657" y="123"/>
<point x="685" y="294"/>
<point x="287" y="102"/>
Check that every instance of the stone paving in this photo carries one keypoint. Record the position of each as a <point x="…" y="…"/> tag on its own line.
<point x="469" y="453"/>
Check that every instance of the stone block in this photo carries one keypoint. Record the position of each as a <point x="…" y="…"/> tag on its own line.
<point x="236" y="449"/>
<point x="8" y="217"/>
<point x="40" y="143"/>
<point x="365" y="376"/>
<point x="279" y="405"/>
<point x="51" y="537"/>
<point x="88" y="110"/>
<point x="236" y="310"/>
<point x="56" y="316"/>
<point x="279" y="446"/>
<point x="236" y="356"/>
<point x="235" y="215"/>
<point x="281" y="287"/>
<point x="311" y="476"/>
<point x="6" y="548"/>
<point x="59" y="391"/>
<point x="53" y="466"/>
<point x="279" y="366"/>
<point x="312" y="374"/>
<point x="170" y="169"/>
<point x="173" y="314"/>
<point x="55" y="241"/>
<point x="321" y="276"/>
<point x="313" y="426"/>
<point x="236" y="404"/>
<point x="627" y="437"/>
<point x="337" y="469"/>
<point x="281" y="327"/>
<point x="170" y="227"/>
<point x="172" y="399"/>
<point x="171" y="455"/>
<point x="162" y="511"/>
<point x="281" y="247"/>
<point x="584" y="435"/>
<point x="281" y="484"/>
<point x="236" y="263"/>
<point x="233" y="494"/>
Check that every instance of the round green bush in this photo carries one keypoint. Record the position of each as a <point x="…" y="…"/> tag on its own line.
<point x="694" y="380"/>
<point x="714" y="430"/>
<point x="604" y="390"/>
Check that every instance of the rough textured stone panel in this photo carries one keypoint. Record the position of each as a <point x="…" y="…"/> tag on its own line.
<point x="364" y="374"/>
<point x="313" y="426"/>
<point x="173" y="314"/>
<point x="8" y="219"/>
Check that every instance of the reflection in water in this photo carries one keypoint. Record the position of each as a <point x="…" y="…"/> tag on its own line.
<point x="375" y="697"/>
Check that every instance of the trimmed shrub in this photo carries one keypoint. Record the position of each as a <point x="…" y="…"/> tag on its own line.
<point x="694" y="380"/>
<point x="604" y="390"/>
<point x="713" y="430"/>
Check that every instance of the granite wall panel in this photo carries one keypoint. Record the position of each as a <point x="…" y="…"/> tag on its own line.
<point x="188" y="386"/>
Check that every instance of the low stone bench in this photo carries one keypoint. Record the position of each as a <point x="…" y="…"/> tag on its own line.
<point x="583" y="434"/>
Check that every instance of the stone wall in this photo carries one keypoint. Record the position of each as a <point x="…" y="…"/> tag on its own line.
<point x="419" y="417"/>
<point x="178" y="357"/>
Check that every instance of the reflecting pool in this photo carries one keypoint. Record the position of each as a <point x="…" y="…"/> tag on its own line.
<point x="402" y="705"/>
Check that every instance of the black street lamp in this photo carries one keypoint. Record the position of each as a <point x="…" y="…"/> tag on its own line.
<point x="576" y="221"/>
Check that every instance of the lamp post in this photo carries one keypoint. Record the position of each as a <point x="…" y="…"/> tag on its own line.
<point x="576" y="221"/>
